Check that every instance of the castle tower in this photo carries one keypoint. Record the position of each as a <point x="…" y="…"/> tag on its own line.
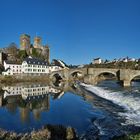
<point x="37" y="42"/>
<point x="24" y="42"/>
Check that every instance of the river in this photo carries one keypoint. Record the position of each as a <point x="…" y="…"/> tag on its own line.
<point x="101" y="111"/>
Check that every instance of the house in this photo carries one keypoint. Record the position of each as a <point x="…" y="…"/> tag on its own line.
<point x="125" y="59"/>
<point x="57" y="65"/>
<point x="132" y="59"/>
<point x="12" y="68"/>
<point x="34" y="66"/>
<point x="97" y="61"/>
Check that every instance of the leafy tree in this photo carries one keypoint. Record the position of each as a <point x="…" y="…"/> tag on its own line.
<point x="35" y="53"/>
<point x="22" y="54"/>
<point x="12" y="49"/>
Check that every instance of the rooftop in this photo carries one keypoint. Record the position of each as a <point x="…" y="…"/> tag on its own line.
<point x="36" y="61"/>
<point x="12" y="62"/>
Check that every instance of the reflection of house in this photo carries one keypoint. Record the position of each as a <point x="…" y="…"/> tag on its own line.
<point x="33" y="91"/>
<point x="11" y="68"/>
<point x="36" y="91"/>
<point x="12" y="90"/>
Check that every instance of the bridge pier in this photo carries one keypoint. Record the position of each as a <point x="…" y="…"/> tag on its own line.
<point x="89" y="79"/>
<point x="126" y="83"/>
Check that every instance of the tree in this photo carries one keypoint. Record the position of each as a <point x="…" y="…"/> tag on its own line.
<point x="22" y="54"/>
<point x="12" y="49"/>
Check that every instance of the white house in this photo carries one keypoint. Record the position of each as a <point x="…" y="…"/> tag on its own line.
<point x="34" y="66"/>
<point x="54" y="68"/>
<point x="97" y="61"/>
<point x="12" y="68"/>
<point x="127" y="59"/>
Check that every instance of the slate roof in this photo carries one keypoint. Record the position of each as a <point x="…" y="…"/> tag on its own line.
<point x="35" y="61"/>
<point x="59" y="63"/>
<point x="12" y="62"/>
<point x="97" y="58"/>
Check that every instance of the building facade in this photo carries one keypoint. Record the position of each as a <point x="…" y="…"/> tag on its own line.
<point x="29" y="66"/>
<point x="97" y="61"/>
<point x="12" y="68"/>
<point x="33" y="66"/>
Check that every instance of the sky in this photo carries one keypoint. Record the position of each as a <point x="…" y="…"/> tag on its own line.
<point x="76" y="30"/>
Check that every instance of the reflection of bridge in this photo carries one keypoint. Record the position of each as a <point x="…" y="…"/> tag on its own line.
<point x="91" y="75"/>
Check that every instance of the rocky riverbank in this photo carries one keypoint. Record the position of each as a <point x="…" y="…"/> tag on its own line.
<point x="49" y="132"/>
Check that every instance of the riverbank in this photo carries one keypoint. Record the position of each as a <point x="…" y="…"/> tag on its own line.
<point x="48" y="132"/>
<point x="21" y="79"/>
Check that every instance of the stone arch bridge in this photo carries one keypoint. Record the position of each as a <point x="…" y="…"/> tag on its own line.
<point x="91" y="75"/>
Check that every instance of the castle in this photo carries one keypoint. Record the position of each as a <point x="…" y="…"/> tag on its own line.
<point x="25" y="44"/>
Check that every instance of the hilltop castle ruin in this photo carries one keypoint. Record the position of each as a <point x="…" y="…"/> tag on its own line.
<point x="25" y="44"/>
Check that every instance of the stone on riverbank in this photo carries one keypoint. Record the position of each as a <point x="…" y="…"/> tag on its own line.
<point x="49" y="132"/>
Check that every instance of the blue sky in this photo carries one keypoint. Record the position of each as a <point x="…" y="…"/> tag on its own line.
<point x="76" y="30"/>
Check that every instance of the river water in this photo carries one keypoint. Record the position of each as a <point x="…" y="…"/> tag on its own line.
<point x="101" y="111"/>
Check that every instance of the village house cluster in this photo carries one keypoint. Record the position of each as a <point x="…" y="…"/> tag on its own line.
<point x="30" y="66"/>
<point x="126" y="59"/>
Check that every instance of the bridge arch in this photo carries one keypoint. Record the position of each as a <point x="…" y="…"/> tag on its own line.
<point x="135" y="78"/>
<point x="56" y="76"/>
<point x="76" y="74"/>
<point x="105" y="76"/>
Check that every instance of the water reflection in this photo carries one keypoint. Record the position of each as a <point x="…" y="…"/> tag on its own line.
<point x="34" y="97"/>
<point x="25" y="107"/>
<point x="30" y="106"/>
